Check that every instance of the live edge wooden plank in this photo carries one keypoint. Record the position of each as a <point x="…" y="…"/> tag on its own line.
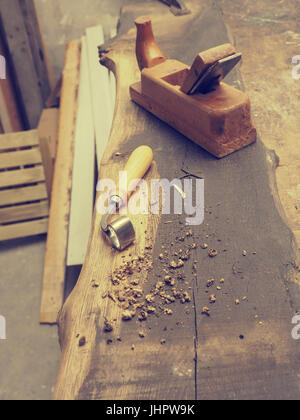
<point x="10" y="116"/>
<point x="56" y="253"/>
<point x="241" y="351"/>
<point x="22" y="230"/>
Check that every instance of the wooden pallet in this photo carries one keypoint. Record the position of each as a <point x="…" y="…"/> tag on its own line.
<point x="24" y="207"/>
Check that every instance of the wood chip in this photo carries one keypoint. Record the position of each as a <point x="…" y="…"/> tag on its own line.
<point x="206" y="311"/>
<point x="212" y="253"/>
<point x="210" y="283"/>
<point x="128" y="315"/>
<point x="212" y="299"/>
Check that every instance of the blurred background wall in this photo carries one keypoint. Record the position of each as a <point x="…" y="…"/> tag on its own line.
<point x="64" y="20"/>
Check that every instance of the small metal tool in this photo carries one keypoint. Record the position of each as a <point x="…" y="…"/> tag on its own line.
<point x="177" y="7"/>
<point x="212" y="77"/>
<point x="121" y="231"/>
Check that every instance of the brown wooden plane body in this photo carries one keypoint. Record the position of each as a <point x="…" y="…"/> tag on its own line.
<point x="219" y="121"/>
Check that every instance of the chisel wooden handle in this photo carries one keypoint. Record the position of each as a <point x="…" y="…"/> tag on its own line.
<point x="137" y="166"/>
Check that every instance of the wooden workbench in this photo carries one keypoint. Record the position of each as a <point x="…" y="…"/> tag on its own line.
<point x="244" y="349"/>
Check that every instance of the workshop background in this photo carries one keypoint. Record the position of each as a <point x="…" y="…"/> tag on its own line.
<point x="30" y="356"/>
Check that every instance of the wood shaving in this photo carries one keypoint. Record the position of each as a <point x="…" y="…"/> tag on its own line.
<point x="212" y="299"/>
<point x="108" y="326"/>
<point x="210" y="283"/>
<point x="206" y="311"/>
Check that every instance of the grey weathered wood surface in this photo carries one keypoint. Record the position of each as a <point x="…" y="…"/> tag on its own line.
<point x="241" y="351"/>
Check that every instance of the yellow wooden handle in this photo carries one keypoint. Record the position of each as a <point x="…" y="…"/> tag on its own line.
<point x="137" y="166"/>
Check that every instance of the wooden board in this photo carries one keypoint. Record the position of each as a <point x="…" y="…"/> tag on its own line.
<point x="25" y="55"/>
<point x="23" y="195"/>
<point x="38" y="48"/>
<point x="83" y="182"/>
<point x="24" y="212"/>
<point x="22" y="158"/>
<point x="56" y="253"/>
<point x="22" y="230"/>
<point x="48" y="136"/>
<point x="10" y="115"/>
<point x="22" y="176"/>
<point x="48" y="128"/>
<point x="24" y="206"/>
<point x="102" y="89"/>
<point x="244" y="349"/>
<point x="23" y="140"/>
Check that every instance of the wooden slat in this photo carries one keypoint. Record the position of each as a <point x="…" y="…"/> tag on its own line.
<point x="23" y="195"/>
<point x="48" y="133"/>
<point x="26" y="212"/>
<point x="22" y="158"/>
<point x="18" y="140"/>
<point x="22" y="230"/>
<point x="102" y="89"/>
<point x="23" y="59"/>
<point x="54" y="98"/>
<point x="21" y="177"/>
<point x="56" y="254"/>
<point x="83" y="185"/>
<point x="241" y="352"/>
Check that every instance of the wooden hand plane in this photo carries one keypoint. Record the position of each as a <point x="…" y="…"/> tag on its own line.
<point x="194" y="100"/>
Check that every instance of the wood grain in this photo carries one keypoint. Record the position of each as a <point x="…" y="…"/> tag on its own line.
<point x="23" y="139"/>
<point x="55" y="259"/>
<point x="130" y="129"/>
<point x="22" y="176"/>
<point x="22" y="158"/>
<point x="102" y="91"/>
